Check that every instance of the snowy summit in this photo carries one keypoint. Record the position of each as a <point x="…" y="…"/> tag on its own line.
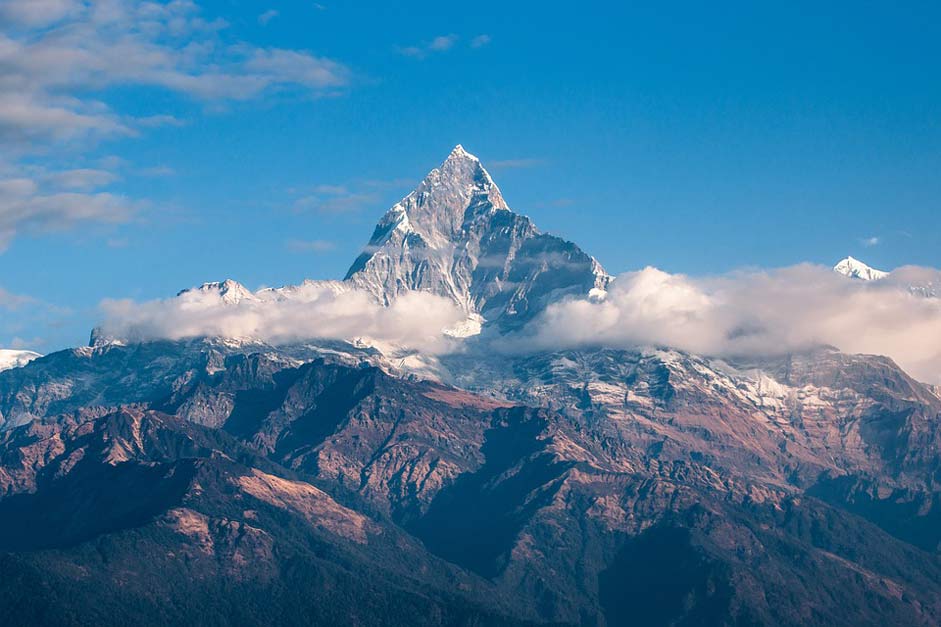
<point x="14" y="359"/>
<point x="856" y="269"/>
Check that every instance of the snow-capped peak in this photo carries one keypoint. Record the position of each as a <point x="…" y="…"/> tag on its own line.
<point x="435" y="215"/>
<point x="856" y="269"/>
<point x="231" y="292"/>
<point x="10" y="358"/>
<point x="455" y="236"/>
<point x="459" y="190"/>
<point x="458" y="152"/>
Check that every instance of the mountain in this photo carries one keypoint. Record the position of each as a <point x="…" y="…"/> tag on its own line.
<point x="196" y="528"/>
<point x="583" y="487"/>
<point x="856" y="269"/>
<point x="10" y="358"/>
<point x="229" y="292"/>
<point x="219" y="480"/>
<point x="455" y="236"/>
<point x="918" y="281"/>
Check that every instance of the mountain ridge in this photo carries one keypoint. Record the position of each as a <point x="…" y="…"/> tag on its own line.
<point x="856" y="269"/>
<point x="218" y="480"/>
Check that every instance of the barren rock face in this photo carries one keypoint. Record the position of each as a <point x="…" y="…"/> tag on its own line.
<point x="543" y="488"/>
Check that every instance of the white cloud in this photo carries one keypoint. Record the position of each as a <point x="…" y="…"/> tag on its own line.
<point x="480" y="41"/>
<point x="441" y="43"/>
<point x="156" y="171"/>
<point x="84" y="179"/>
<point x="336" y="199"/>
<point x="157" y="121"/>
<point x="38" y="13"/>
<point x="55" y="53"/>
<point x="741" y="314"/>
<point x="34" y="200"/>
<point x="267" y="16"/>
<point x="59" y="58"/>
<point x="26" y="119"/>
<point x="414" y="321"/>
<point x="11" y="301"/>
<point x="869" y="242"/>
<point x="755" y="313"/>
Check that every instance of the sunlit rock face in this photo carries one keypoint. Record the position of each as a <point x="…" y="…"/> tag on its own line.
<point x="455" y="236"/>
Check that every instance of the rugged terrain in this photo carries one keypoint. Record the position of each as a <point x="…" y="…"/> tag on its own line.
<point x="230" y="481"/>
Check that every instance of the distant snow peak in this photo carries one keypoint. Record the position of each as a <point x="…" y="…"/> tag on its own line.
<point x="229" y="291"/>
<point x="460" y="153"/>
<point x="10" y="358"/>
<point x="856" y="269"/>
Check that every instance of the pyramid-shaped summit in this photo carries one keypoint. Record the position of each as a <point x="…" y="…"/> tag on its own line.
<point x="455" y="236"/>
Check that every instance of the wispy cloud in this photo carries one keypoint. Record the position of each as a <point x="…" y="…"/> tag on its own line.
<point x="22" y="315"/>
<point x="11" y="301"/>
<point x="83" y="179"/>
<point x="441" y="43"/>
<point x="267" y="16"/>
<point x="56" y="54"/>
<point x="59" y="61"/>
<point x="310" y="246"/>
<point x="337" y="199"/>
<point x="480" y="41"/>
<point x="332" y="190"/>
<point x="38" y="13"/>
<point x="156" y="121"/>
<point x="37" y="206"/>
<point x="157" y="171"/>
<point x="869" y="242"/>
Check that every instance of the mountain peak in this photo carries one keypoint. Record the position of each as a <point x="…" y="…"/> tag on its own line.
<point x="856" y="269"/>
<point x="459" y="153"/>
<point x="436" y="212"/>
<point x="455" y="236"/>
<point x="229" y="291"/>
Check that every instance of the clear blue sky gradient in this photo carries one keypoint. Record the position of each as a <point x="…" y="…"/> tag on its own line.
<point x="699" y="138"/>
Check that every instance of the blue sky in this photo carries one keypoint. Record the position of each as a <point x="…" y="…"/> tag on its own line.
<point x="261" y="140"/>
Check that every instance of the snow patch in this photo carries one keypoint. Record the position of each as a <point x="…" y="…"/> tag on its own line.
<point x="10" y="358"/>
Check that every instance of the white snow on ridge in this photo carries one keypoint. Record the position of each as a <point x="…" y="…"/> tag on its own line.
<point x="15" y="359"/>
<point x="231" y="292"/>
<point x="856" y="269"/>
